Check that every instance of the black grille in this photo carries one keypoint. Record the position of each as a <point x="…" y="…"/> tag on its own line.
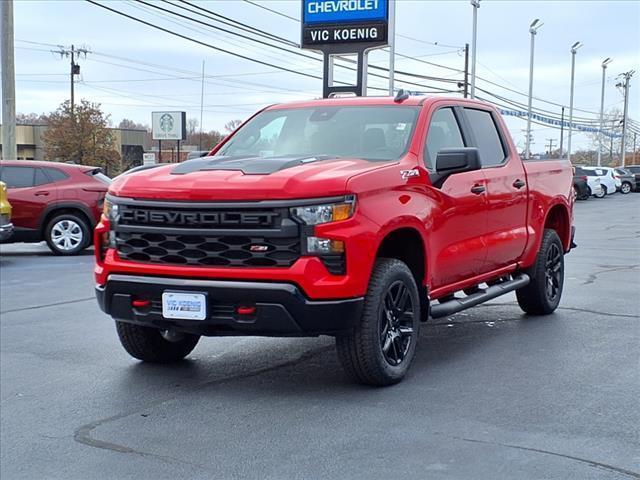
<point x="226" y="251"/>
<point x="200" y="235"/>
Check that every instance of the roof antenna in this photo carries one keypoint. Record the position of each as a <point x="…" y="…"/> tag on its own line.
<point x="401" y="96"/>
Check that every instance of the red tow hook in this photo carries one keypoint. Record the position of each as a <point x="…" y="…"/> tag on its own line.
<point x="246" y="310"/>
<point x="140" y="303"/>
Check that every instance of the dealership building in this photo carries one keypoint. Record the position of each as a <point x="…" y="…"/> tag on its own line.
<point x="129" y="142"/>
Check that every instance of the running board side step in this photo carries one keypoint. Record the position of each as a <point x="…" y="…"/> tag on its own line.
<point x="458" y="304"/>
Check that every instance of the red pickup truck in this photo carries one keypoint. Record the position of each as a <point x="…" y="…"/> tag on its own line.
<point x="358" y="218"/>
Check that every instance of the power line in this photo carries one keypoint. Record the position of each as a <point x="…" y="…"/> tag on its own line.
<point x="256" y="4"/>
<point x="300" y="54"/>
<point x="205" y="44"/>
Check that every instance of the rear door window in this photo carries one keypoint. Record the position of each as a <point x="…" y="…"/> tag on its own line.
<point x="444" y="132"/>
<point x="487" y="138"/>
<point x="55" y="175"/>
<point x="17" y="177"/>
<point x="40" y="178"/>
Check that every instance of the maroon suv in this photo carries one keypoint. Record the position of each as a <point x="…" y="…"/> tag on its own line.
<point x="56" y="202"/>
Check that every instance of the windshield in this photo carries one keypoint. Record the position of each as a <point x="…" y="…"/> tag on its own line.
<point x="377" y="133"/>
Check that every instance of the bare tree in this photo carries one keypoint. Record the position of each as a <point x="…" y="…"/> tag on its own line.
<point x="192" y="125"/>
<point x="31" y="119"/>
<point x="231" y="125"/>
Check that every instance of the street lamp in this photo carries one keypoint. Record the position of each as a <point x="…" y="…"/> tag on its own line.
<point x="605" y="62"/>
<point x="533" y="29"/>
<point x="574" y="50"/>
<point x="476" y="6"/>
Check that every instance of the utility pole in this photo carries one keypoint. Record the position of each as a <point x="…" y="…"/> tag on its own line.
<point x="392" y="46"/>
<point x="201" y="107"/>
<point x="466" y="70"/>
<point x="627" y="77"/>
<point x="551" y="142"/>
<point x="9" y="148"/>
<point x="562" y="133"/>
<point x="528" y="139"/>
<point x="634" y="148"/>
<point x="73" y="53"/>
<point x="476" y="6"/>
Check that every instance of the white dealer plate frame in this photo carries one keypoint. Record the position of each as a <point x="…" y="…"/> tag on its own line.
<point x="184" y="305"/>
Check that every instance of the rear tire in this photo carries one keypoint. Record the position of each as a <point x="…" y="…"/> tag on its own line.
<point x="67" y="234"/>
<point x="149" y="345"/>
<point x="543" y="293"/>
<point x="382" y="346"/>
<point x="625" y="188"/>
<point x="603" y="192"/>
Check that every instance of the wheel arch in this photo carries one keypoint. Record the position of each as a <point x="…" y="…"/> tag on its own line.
<point x="407" y="245"/>
<point x="559" y="219"/>
<point x="62" y="208"/>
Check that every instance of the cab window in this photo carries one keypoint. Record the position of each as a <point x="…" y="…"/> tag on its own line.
<point x="444" y="132"/>
<point x="487" y="138"/>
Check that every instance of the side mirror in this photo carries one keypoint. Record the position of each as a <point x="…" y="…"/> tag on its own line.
<point x="455" y="160"/>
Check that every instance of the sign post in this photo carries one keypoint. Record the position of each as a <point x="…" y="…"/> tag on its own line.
<point x="336" y="27"/>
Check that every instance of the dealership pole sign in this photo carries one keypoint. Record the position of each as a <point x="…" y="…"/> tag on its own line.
<point x="336" y="27"/>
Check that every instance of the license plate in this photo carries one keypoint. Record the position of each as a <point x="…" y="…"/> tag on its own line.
<point x="185" y="306"/>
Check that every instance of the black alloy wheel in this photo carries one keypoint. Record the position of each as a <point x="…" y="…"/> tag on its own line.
<point x="553" y="272"/>
<point x="396" y="323"/>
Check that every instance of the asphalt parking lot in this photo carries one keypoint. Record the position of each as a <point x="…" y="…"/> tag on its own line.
<point x="492" y="394"/>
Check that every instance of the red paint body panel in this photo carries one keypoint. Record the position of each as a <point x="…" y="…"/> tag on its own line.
<point x="467" y="238"/>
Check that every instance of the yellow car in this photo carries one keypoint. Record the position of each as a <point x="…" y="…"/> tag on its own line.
<point x="6" y="227"/>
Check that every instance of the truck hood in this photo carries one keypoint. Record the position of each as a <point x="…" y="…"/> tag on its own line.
<point x="244" y="178"/>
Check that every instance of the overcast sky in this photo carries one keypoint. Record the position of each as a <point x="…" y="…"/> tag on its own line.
<point x="135" y="69"/>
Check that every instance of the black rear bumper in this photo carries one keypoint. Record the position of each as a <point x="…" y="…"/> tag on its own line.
<point x="281" y="309"/>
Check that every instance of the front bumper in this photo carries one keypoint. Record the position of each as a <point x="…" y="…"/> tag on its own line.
<point x="6" y="231"/>
<point x="281" y="308"/>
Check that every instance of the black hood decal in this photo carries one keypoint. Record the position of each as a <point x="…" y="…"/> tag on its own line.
<point x="249" y="165"/>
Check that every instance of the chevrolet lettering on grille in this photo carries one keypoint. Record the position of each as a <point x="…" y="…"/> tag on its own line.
<point x="140" y="216"/>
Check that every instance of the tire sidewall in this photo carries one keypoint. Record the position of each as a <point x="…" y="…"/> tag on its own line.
<point x="603" y="191"/>
<point x="627" y="185"/>
<point x="402" y="273"/>
<point x="541" y="270"/>
<point x="86" y="234"/>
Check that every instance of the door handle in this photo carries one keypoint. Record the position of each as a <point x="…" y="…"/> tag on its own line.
<point x="478" y="189"/>
<point x="41" y="193"/>
<point x="519" y="183"/>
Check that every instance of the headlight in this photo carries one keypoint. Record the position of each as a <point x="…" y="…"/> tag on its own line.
<point x="332" y="212"/>
<point x="109" y="210"/>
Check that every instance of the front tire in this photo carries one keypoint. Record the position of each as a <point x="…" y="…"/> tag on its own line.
<point x="625" y="188"/>
<point x="382" y="346"/>
<point x="150" y="345"/>
<point x="67" y="234"/>
<point x="543" y="293"/>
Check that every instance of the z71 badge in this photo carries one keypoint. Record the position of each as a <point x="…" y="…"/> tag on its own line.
<point x="409" y="173"/>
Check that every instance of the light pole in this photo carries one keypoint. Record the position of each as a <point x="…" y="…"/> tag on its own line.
<point x="476" y="6"/>
<point x="574" y="50"/>
<point x="605" y="62"/>
<point x="533" y="29"/>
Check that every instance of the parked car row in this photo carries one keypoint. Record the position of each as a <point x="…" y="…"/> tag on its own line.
<point x="602" y="181"/>
<point x="56" y="202"/>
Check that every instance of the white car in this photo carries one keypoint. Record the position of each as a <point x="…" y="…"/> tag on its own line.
<point x="593" y="181"/>
<point x="608" y="182"/>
